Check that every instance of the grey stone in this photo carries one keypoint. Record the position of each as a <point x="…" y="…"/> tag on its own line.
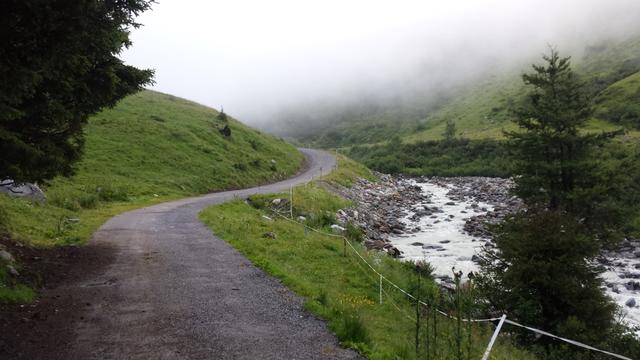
<point x="12" y="271"/>
<point x="631" y="302"/>
<point x="25" y="190"/>
<point x="6" y="256"/>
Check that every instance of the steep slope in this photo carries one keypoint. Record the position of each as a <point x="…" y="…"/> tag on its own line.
<point x="150" y="147"/>
<point x="620" y="102"/>
<point x="482" y="111"/>
<point x="480" y="107"/>
<point x="611" y="73"/>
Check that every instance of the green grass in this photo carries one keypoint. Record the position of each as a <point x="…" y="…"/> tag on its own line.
<point x="151" y="147"/>
<point x="620" y="102"/>
<point x="339" y="288"/>
<point x="482" y="111"/>
<point x="348" y="171"/>
<point x="12" y="292"/>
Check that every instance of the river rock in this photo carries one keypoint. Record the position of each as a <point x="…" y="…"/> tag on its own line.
<point x="374" y="244"/>
<point x="631" y="302"/>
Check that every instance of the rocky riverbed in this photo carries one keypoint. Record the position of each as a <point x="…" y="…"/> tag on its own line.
<point x="443" y="221"/>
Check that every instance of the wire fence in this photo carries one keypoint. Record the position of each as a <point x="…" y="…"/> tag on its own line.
<point x="502" y="319"/>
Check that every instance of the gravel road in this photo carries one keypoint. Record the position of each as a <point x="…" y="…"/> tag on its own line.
<point x="171" y="289"/>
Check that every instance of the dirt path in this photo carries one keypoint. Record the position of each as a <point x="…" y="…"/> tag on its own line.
<point x="155" y="283"/>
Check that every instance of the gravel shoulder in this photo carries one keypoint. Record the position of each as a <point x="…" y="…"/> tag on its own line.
<point x="156" y="283"/>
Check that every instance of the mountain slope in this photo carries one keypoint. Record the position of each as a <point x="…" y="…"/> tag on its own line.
<point x="150" y="147"/>
<point x="480" y="107"/>
<point x="620" y="102"/>
<point x="483" y="110"/>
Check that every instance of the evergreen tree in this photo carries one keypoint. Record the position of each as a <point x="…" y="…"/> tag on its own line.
<point x="59" y="64"/>
<point x="542" y="272"/>
<point x="449" y="132"/>
<point x="554" y="158"/>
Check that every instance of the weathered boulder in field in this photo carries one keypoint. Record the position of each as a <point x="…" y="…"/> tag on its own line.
<point x="25" y="190"/>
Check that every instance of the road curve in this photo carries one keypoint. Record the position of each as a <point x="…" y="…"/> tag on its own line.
<point x="176" y="291"/>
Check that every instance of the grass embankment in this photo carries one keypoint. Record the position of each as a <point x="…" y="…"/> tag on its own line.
<point x="151" y="147"/>
<point x="342" y="289"/>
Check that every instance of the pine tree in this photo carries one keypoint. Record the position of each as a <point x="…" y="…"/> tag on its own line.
<point x="542" y="272"/>
<point x="554" y="157"/>
<point x="449" y="133"/>
<point x="59" y="65"/>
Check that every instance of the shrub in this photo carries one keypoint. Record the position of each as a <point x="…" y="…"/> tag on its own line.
<point x="240" y="166"/>
<point x="352" y="330"/>
<point x="112" y="193"/>
<point x="322" y="219"/>
<point x="88" y="201"/>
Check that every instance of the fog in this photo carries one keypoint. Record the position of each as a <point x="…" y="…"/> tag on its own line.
<point x="260" y="58"/>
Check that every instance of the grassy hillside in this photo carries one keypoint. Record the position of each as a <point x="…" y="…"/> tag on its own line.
<point x="149" y="148"/>
<point x="481" y="108"/>
<point x="610" y="72"/>
<point x="620" y="102"/>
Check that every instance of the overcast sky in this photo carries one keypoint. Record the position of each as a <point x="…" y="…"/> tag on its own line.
<point x="257" y="57"/>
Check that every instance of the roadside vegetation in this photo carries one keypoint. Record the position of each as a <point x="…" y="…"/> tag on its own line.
<point x="342" y="289"/>
<point x="151" y="147"/>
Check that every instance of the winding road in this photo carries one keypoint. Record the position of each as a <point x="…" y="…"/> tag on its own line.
<point x="173" y="290"/>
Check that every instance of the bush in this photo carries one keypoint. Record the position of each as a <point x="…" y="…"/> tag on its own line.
<point x="322" y="219"/>
<point x="259" y="201"/>
<point x="88" y="201"/>
<point x="257" y="163"/>
<point x="112" y="193"/>
<point x="354" y="233"/>
<point x="240" y="166"/>
<point x="352" y="330"/>
<point x="457" y="157"/>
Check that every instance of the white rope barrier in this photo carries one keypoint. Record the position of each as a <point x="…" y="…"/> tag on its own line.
<point x="572" y="342"/>
<point x="501" y="318"/>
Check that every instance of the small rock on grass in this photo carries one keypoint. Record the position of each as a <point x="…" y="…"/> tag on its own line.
<point x="12" y="271"/>
<point x="6" y="256"/>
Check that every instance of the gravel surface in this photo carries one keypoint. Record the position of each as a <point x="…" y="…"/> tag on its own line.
<point x="172" y="290"/>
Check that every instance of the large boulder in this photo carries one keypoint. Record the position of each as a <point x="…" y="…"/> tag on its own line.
<point x="25" y="190"/>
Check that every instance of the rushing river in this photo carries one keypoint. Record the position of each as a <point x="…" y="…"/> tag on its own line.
<point x="443" y="243"/>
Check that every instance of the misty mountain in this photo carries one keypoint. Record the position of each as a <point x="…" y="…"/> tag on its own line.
<point x="479" y="105"/>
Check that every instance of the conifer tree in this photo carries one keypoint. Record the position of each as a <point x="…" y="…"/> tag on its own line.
<point x="59" y="64"/>
<point x="554" y="156"/>
<point x="542" y="272"/>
